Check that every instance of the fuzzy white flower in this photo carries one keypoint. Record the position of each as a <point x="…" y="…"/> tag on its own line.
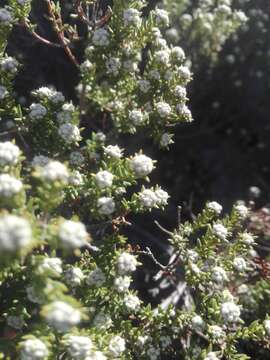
<point x="62" y="316"/>
<point x="126" y="263"/>
<point x="117" y="346"/>
<point x="37" y="111"/>
<point x="76" y="158"/>
<point x="154" y="74"/>
<point x="144" y="85"/>
<point x="178" y="53"/>
<point x="220" y="231"/>
<point x="87" y="65"/>
<point x="142" y="165"/>
<point x="96" y="355"/>
<point x="40" y="160"/>
<point x="3" y="92"/>
<point x="79" y="347"/>
<point x="136" y="117"/>
<point x="101" y="37"/>
<point x="54" y="171"/>
<point x="9" y="64"/>
<point x="148" y="198"/>
<point x="96" y="277"/>
<point x="114" y="151"/>
<point x="9" y="185"/>
<point x="5" y="16"/>
<point x="162" y="197"/>
<point x="162" y="56"/>
<point x="266" y="324"/>
<point x="74" y="276"/>
<point x="113" y="65"/>
<point x="72" y="234"/>
<point x="75" y="178"/>
<point x="247" y="239"/>
<point x="215" y="207"/>
<point x="122" y="283"/>
<point x="241" y="210"/>
<point x="197" y="322"/>
<point x="230" y="312"/>
<point x="104" y="179"/>
<point x="132" y="17"/>
<point x="180" y="92"/>
<point x="184" y="73"/>
<point x="166" y="140"/>
<point x="51" y="264"/>
<point x="106" y="205"/>
<point x="219" y="275"/>
<point x="9" y="153"/>
<point x="131" y="302"/>
<point x="184" y="111"/>
<point x="240" y="264"/>
<point x="216" y="332"/>
<point x="32" y="295"/>
<point x="33" y="349"/>
<point x="211" y="356"/>
<point x="69" y="133"/>
<point x="163" y="109"/>
<point x="162" y="17"/>
<point x="102" y="321"/>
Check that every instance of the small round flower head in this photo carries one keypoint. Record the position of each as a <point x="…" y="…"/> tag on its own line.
<point x="102" y="321"/>
<point x="9" y="186"/>
<point x="9" y="64"/>
<point x="96" y="355"/>
<point x="266" y="324"/>
<point x="79" y="347"/>
<point x="131" y="302"/>
<point x="55" y="171"/>
<point x="241" y="210"/>
<point x="16" y="322"/>
<point x="219" y="275"/>
<point x="215" y="207"/>
<point x="113" y="65"/>
<point x="126" y="263"/>
<point x="142" y="165"/>
<point x="153" y="353"/>
<point x="100" y="136"/>
<point x="220" y="231"/>
<point x="96" y="278"/>
<point x="101" y="37"/>
<point x="162" y="197"/>
<point x="163" y="109"/>
<point x="136" y="117"/>
<point x="72" y="234"/>
<point x="148" y="198"/>
<point x="86" y="66"/>
<point x="9" y="153"/>
<point x="162" y="17"/>
<point x="3" y="90"/>
<point x="216" y="332"/>
<point x="211" y="356"/>
<point x="144" y="86"/>
<point x="75" y="178"/>
<point x="240" y="264"/>
<point x="76" y="158"/>
<point x="116" y="346"/>
<point x="184" y="73"/>
<point x="53" y="265"/>
<point x="113" y="151"/>
<point x="197" y="322"/>
<point x="184" y="111"/>
<point x="180" y="92"/>
<point x="74" y="276"/>
<point x="62" y="316"/>
<point x="104" y="179"/>
<point x="230" y="312"/>
<point x="37" y="111"/>
<point x="69" y="133"/>
<point x="178" y="53"/>
<point x="106" y="205"/>
<point x="247" y="239"/>
<point x="122" y="283"/>
<point x="33" y="349"/>
<point x="132" y="17"/>
<point x="154" y="74"/>
<point x="5" y="16"/>
<point x="166" y="140"/>
<point x="162" y="57"/>
<point x="40" y="160"/>
<point x="32" y="295"/>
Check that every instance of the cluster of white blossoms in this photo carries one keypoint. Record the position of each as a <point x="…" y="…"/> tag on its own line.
<point x="5" y="16"/>
<point x="104" y="179"/>
<point x="149" y="198"/>
<point x="54" y="171"/>
<point x="163" y="109"/>
<point x="9" y="64"/>
<point x="33" y="349"/>
<point x="9" y="186"/>
<point x="117" y="346"/>
<point x="241" y="210"/>
<point x="53" y="265"/>
<point x="3" y="92"/>
<point x="142" y="165"/>
<point x="211" y="356"/>
<point x="122" y="283"/>
<point x="136" y="117"/>
<point x="37" y="111"/>
<point x="113" y="151"/>
<point x="73" y="276"/>
<point x="240" y="264"/>
<point x="132" y="17"/>
<point x="73" y="234"/>
<point x="132" y="302"/>
<point x="215" y="207"/>
<point x="220" y="231"/>
<point x="106" y="205"/>
<point x="230" y="312"/>
<point x="50" y="94"/>
<point x="101" y="37"/>
<point x="126" y="263"/>
<point x="69" y="133"/>
<point x="15" y="233"/>
<point x="219" y="275"/>
<point x="197" y="323"/>
<point x="62" y="316"/>
<point x="9" y="153"/>
<point x="113" y="65"/>
<point x="79" y="347"/>
<point x="66" y="114"/>
<point x="216" y="332"/>
<point x="96" y="277"/>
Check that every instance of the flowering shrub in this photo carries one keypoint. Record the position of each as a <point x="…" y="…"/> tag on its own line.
<point x="65" y="194"/>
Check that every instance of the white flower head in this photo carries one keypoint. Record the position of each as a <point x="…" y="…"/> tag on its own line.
<point x="220" y="231"/>
<point x="240" y="264"/>
<point x="53" y="265"/>
<point x="180" y="92"/>
<point x="166" y="140"/>
<point x="215" y="207"/>
<point x="69" y="133"/>
<point x="241" y="210"/>
<point x="55" y="171"/>
<point x="106" y="205"/>
<point x="113" y="65"/>
<point x="162" y="17"/>
<point x="136" y="117"/>
<point x="5" y="16"/>
<point x="96" y="277"/>
<point x="101" y="37"/>
<point x="9" y="153"/>
<point x="75" y="178"/>
<point x="247" y="239"/>
<point x="62" y="316"/>
<point x="122" y="283"/>
<point x="9" y="186"/>
<point x="142" y="165"/>
<point x="219" y="275"/>
<point x="162" y="197"/>
<point x="16" y="322"/>
<point x="126" y="263"/>
<point x="144" y="86"/>
<point x="113" y="151"/>
<point x="131" y="302"/>
<point x="230" y="312"/>
<point x="102" y="321"/>
<point x="178" y="53"/>
<point x="132" y="17"/>
<point x="266" y="324"/>
<point x="184" y="73"/>
<point x="163" y="109"/>
<point x="9" y="64"/>
<point x="216" y="332"/>
<point x="72" y="234"/>
<point x="37" y="111"/>
<point x="33" y="349"/>
<point x="162" y="56"/>
<point x="76" y="158"/>
<point x="104" y="179"/>
<point x="148" y="198"/>
<point x="116" y="346"/>
<point x="79" y="347"/>
<point x="211" y="356"/>
<point x="74" y="276"/>
<point x="197" y="322"/>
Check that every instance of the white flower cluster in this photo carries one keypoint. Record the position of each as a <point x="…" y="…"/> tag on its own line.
<point x="96" y="277"/>
<point x="122" y="283"/>
<point x="76" y="158"/>
<point x="9" y="153"/>
<point x="220" y="231"/>
<point x="113" y="151"/>
<point x="72" y="234"/>
<point x="33" y="349"/>
<point x="215" y="207"/>
<point x="149" y="198"/>
<point x="79" y="347"/>
<point x="131" y="302"/>
<point x="230" y="312"/>
<point x="104" y="179"/>
<point x="69" y="133"/>
<point x="142" y="165"/>
<point x="117" y="346"/>
<point x="54" y="96"/>
<point x="37" y="111"/>
<point x="74" y="276"/>
<point x="126" y="263"/>
<point x="219" y="275"/>
<point x="9" y="186"/>
<point x="9" y="64"/>
<point x="163" y="109"/>
<point x="136" y="117"/>
<point x="53" y="265"/>
<point x="5" y="16"/>
<point x="55" y="171"/>
<point x="113" y="65"/>
<point x="132" y="17"/>
<point x="106" y="205"/>
<point x="101" y="37"/>
<point x="62" y="316"/>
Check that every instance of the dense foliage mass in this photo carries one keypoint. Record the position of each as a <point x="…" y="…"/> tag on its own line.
<point x="68" y="192"/>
